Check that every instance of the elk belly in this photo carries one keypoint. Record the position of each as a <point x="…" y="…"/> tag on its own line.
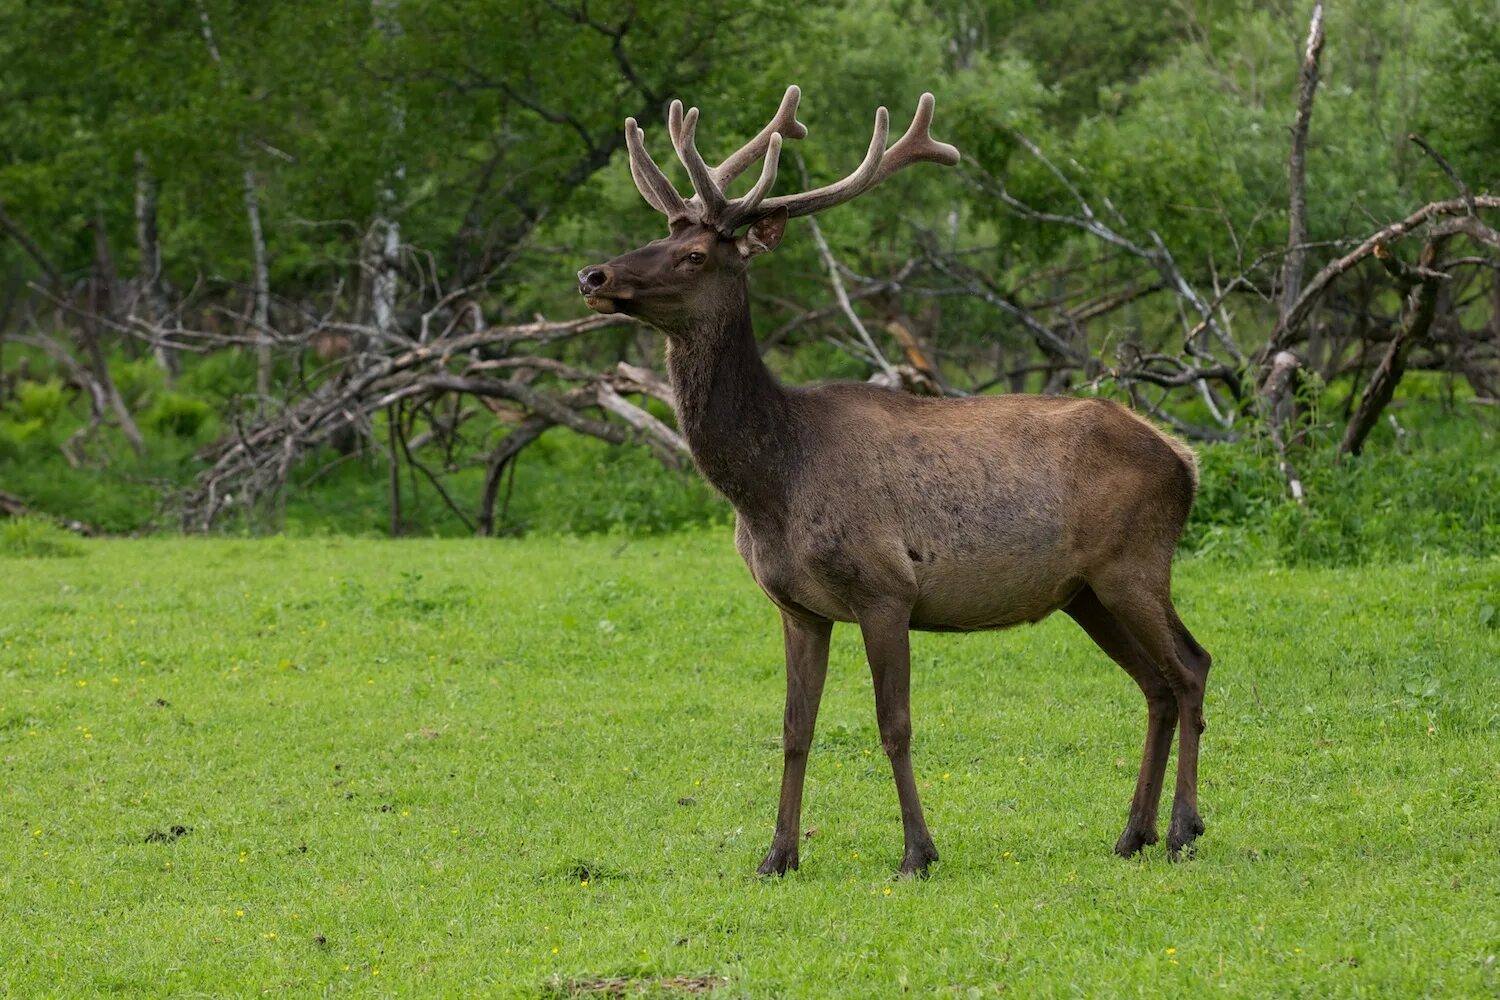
<point x="982" y="594"/>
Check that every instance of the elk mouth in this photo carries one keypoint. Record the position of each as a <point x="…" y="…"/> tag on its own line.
<point x="603" y="303"/>
<point x="609" y="300"/>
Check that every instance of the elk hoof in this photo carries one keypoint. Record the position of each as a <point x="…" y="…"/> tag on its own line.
<point x="778" y="862"/>
<point x="917" y="859"/>
<point x="1132" y="840"/>
<point x="1186" y="828"/>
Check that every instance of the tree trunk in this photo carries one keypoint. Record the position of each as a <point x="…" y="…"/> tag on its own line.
<point x="260" y="287"/>
<point x="260" y="291"/>
<point x="385" y="285"/>
<point x="393" y="483"/>
<point x="148" y="245"/>
<point x="1307" y="86"/>
<point x="1276" y="399"/>
<point x="102" y="307"/>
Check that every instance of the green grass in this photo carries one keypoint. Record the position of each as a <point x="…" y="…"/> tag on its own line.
<point x="394" y="763"/>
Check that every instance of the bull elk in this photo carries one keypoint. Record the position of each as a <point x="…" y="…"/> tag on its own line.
<point x="857" y="503"/>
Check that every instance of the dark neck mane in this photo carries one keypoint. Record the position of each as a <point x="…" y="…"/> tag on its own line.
<point x="735" y="415"/>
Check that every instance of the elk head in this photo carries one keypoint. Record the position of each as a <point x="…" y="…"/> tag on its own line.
<point x="698" y="270"/>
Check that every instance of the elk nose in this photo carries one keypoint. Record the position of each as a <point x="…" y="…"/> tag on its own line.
<point x="591" y="279"/>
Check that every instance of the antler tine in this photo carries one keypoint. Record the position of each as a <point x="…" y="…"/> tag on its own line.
<point x="709" y="196"/>
<point x="674" y="121"/>
<point x="917" y="144"/>
<point x="860" y="180"/>
<point x="649" y="180"/>
<point x="784" y="123"/>
<point x="741" y="209"/>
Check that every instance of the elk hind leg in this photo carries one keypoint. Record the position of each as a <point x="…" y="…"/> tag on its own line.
<point x="1147" y="612"/>
<point x="1186" y="824"/>
<point x="1161" y="714"/>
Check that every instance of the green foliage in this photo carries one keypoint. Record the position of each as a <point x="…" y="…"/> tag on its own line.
<point x="1434" y="490"/>
<point x="139" y="380"/>
<point x="178" y="415"/>
<point x="1464" y="114"/>
<point x="580" y="486"/>
<point x="34" y="537"/>
<point x="28" y="420"/>
<point x="219" y="377"/>
<point x="563" y="484"/>
<point x="17" y="435"/>
<point x="350" y="767"/>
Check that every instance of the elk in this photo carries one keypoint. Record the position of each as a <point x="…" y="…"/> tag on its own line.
<point x="863" y="504"/>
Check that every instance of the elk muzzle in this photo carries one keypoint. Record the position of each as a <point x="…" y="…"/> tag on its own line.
<point x="594" y="285"/>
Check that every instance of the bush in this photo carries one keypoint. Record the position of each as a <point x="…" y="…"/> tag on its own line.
<point x="220" y="376"/>
<point x="44" y="401"/>
<point x="16" y="435"/>
<point x="137" y="381"/>
<point x="178" y="415"/>
<point x="1434" y="489"/>
<point x="36" y="538"/>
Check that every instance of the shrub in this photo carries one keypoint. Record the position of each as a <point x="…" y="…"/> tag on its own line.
<point x="137" y="381"/>
<point x="44" y="401"/>
<point x="17" y="435"/>
<point x="36" y="538"/>
<point x="178" y="415"/>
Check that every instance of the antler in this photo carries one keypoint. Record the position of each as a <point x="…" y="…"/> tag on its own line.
<point x="649" y="180"/>
<point x="916" y="145"/>
<point x="784" y="123"/>
<point x="710" y="205"/>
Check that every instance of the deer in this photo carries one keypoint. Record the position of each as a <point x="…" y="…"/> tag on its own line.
<point x="864" y="504"/>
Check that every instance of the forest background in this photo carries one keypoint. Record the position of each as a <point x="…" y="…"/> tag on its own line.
<point x="310" y="267"/>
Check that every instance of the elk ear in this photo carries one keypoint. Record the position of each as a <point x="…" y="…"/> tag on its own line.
<point x="764" y="234"/>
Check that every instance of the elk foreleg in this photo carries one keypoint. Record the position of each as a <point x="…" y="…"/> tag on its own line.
<point x="887" y="646"/>
<point x="806" y="668"/>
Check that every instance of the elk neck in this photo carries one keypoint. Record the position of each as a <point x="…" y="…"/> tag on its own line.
<point x="737" y="419"/>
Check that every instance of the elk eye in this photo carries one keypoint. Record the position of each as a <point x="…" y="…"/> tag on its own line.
<point x="697" y="257"/>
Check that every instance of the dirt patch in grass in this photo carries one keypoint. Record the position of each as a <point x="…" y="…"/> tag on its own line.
<point x="169" y="835"/>
<point x="634" y="986"/>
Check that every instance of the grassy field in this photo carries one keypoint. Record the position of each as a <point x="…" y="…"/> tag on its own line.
<point x="519" y="768"/>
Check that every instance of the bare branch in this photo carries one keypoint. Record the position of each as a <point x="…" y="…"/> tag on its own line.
<point x="845" y="305"/>
<point x="1447" y="168"/>
<point x="1307" y="86"/>
<point x="1291" y="323"/>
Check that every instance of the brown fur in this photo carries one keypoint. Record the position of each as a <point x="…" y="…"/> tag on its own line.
<point x="896" y="512"/>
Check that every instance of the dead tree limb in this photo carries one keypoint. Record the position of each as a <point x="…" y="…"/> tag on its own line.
<point x="1287" y="330"/>
<point x="1447" y="168"/>
<point x="12" y="505"/>
<point x="669" y="445"/>
<point x="1279" y="398"/>
<point x="1275" y="394"/>
<point x="875" y="356"/>
<point x="1307" y="87"/>
<point x="537" y="393"/>
<point x="1421" y="306"/>
<point x="503" y="457"/>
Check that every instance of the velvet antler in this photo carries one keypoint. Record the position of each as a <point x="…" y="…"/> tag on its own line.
<point x="711" y="205"/>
